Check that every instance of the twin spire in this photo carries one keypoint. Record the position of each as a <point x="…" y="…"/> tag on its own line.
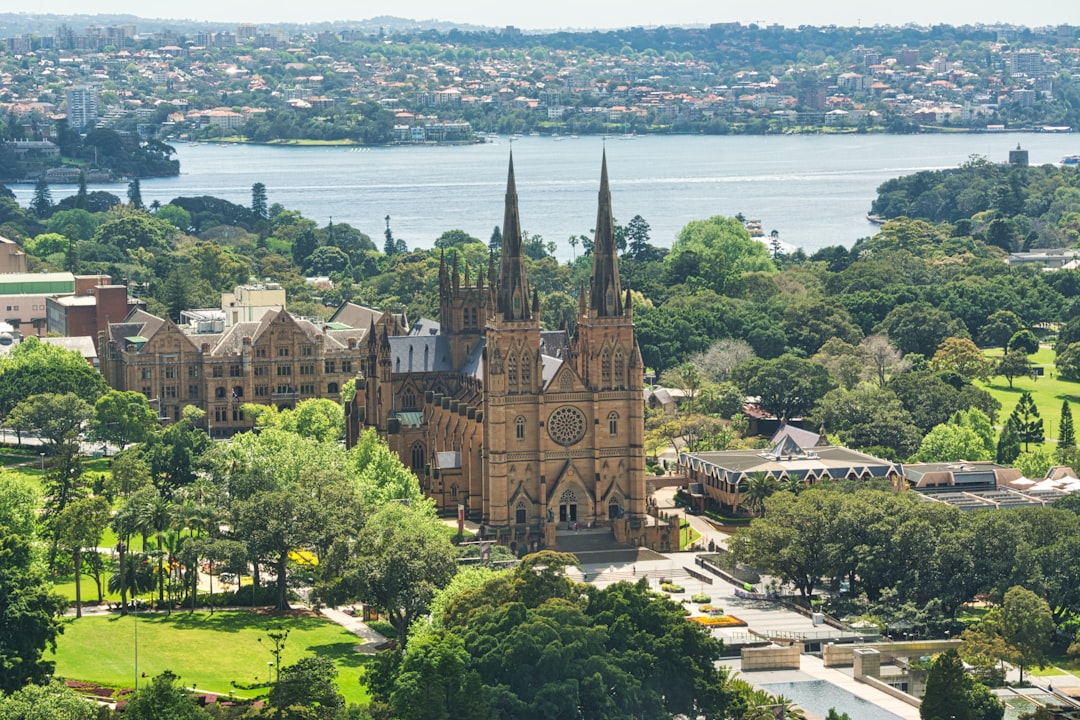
<point x="512" y="294"/>
<point x="512" y="299"/>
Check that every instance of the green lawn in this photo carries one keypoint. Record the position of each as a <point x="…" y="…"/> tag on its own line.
<point x="1059" y="665"/>
<point x="207" y="651"/>
<point x="1048" y="392"/>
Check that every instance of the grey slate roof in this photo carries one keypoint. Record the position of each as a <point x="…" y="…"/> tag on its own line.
<point x="425" y="326"/>
<point x="474" y="363"/>
<point x="420" y="353"/>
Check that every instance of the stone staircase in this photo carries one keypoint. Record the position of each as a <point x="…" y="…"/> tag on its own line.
<point x="597" y="545"/>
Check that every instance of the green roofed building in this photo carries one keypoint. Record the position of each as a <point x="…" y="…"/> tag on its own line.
<point x="23" y="298"/>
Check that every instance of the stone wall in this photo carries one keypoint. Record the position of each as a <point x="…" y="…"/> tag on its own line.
<point x="773" y="657"/>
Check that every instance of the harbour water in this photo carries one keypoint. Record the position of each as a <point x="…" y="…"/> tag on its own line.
<point x="814" y="190"/>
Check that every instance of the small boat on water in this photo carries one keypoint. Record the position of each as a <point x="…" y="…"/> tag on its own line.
<point x="1071" y="161"/>
<point x="754" y="228"/>
<point x="875" y="219"/>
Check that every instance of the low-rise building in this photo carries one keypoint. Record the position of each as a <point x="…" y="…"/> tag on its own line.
<point x="95" y="303"/>
<point x="12" y="257"/>
<point x="721" y="479"/>
<point x="279" y="359"/>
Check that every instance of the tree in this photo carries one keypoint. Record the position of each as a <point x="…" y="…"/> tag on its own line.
<point x="303" y="247"/>
<point x="951" y="693"/>
<point x="605" y="654"/>
<point x="55" y="418"/>
<point x="1027" y="626"/>
<point x="18" y="505"/>
<point x="722" y="357"/>
<point x="1008" y="447"/>
<point x="686" y="377"/>
<point x="949" y="443"/>
<point x="637" y="241"/>
<point x="307" y="689"/>
<point x="1034" y="463"/>
<point x="81" y="525"/>
<point x="759" y="487"/>
<point x="787" y="386"/>
<point x="163" y="699"/>
<point x="175" y="215"/>
<point x="844" y="361"/>
<point x="716" y="251"/>
<point x="34" y="368"/>
<point x="1068" y="362"/>
<point x="868" y="417"/>
<point x="54" y="701"/>
<point x="882" y="357"/>
<point x="963" y="357"/>
<point x="999" y="328"/>
<point x="1014" y="364"/>
<point x="919" y="327"/>
<point x="274" y="524"/>
<point x="81" y="199"/>
<point x="1024" y="341"/>
<point x="41" y="204"/>
<point x="62" y="485"/>
<point x="1066" y="433"/>
<point x="810" y="323"/>
<point x="398" y="560"/>
<point x="791" y="539"/>
<point x="134" y="193"/>
<point x="122" y="417"/>
<point x="1029" y="426"/>
<point x="258" y="201"/>
<point x="29" y="616"/>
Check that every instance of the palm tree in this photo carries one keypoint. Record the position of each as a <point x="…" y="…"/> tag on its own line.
<point x="124" y="526"/>
<point x="156" y="518"/>
<point x="759" y="487"/>
<point x="134" y="572"/>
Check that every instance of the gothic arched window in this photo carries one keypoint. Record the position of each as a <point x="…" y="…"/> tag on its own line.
<point x="408" y="400"/>
<point x="418" y="456"/>
<point x="511" y="372"/>
<point x="605" y="368"/>
<point x="620" y="368"/>
<point x="613" y="424"/>
<point x="526" y="374"/>
<point x="520" y="512"/>
<point x="519" y="427"/>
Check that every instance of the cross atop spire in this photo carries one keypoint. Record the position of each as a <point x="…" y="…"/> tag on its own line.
<point x="513" y="293"/>
<point x="605" y="296"/>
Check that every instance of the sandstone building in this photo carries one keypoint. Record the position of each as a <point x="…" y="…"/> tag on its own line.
<point x="529" y="431"/>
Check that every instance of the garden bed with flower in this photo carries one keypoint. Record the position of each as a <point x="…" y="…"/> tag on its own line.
<point x="717" y="621"/>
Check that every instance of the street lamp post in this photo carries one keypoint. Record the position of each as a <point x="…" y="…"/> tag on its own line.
<point x="135" y="620"/>
<point x="42" y="460"/>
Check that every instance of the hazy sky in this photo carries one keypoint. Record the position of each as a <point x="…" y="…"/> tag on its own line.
<point x="548" y="14"/>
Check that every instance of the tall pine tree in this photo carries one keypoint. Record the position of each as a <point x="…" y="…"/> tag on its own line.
<point x="258" y="202"/>
<point x="1029" y="426"/>
<point x="1067" y="434"/>
<point x="1008" y="447"/>
<point x="42" y="204"/>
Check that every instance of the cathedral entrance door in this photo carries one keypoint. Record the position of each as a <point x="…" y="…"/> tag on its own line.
<point x="568" y="507"/>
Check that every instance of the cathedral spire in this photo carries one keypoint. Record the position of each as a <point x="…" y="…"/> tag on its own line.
<point x="513" y="293"/>
<point x="605" y="296"/>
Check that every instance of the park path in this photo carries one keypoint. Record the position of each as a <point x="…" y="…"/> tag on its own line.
<point x="356" y="626"/>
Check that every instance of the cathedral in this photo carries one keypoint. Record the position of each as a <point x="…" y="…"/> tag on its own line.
<point x="529" y="432"/>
